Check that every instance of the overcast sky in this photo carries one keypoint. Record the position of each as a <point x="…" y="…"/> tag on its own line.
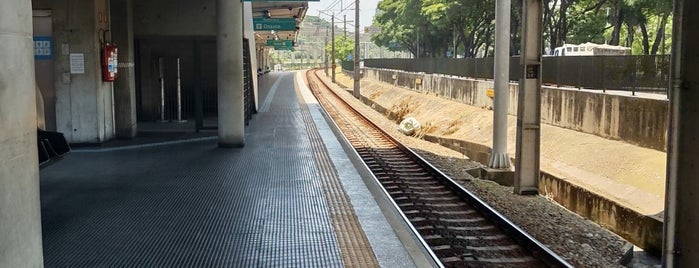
<point x="367" y="8"/>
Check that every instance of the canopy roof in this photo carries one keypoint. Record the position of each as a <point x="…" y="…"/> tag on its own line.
<point x="296" y="10"/>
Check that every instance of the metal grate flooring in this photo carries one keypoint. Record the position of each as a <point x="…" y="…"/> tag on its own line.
<point x="193" y="204"/>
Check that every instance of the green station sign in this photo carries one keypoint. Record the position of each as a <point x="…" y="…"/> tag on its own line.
<point x="289" y="48"/>
<point x="281" y="44"/>
<point x="276" y="24"/>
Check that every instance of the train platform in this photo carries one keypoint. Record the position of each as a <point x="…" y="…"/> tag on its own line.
<point x="291" y="197"/>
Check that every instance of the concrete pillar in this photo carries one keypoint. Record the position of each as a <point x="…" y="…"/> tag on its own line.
<point x="529" y="98"/>
<point x="125" y="84"/>
<point x="20" y="210"/>
<point x="229" y="47"/>
<point x="681" y="239"/>
<point x="498" y="157"/>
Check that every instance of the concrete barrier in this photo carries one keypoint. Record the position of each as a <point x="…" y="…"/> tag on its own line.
<point x="633" y="119"/>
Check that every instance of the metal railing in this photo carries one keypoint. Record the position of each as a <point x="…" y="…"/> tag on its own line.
<point x="638" y="73"/>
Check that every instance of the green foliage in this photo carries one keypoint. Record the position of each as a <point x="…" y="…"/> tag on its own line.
<point x="586" y="26"/>
<point x="436" y="26"/>
<point x="343" y="47"/>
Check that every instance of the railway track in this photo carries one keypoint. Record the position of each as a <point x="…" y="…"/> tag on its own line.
<point x="459" y="228"/>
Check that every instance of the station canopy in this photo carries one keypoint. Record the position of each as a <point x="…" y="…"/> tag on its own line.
<point x="276" y="23"/>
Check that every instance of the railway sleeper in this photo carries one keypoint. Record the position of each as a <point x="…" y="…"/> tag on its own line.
<point x="454" y="228"/>
<point x="413" y="197"/>
<point x="461" y="221"/>
<point x="438" y="187"/>
<point x="441" y="214"/>
<point x="463" y="244"/>
<point x="400" y="173"/>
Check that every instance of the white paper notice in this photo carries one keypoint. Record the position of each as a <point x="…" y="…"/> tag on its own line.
<point x="77" y="63"/>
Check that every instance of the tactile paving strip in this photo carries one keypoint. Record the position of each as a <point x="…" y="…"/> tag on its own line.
<point x="354" y="245"/>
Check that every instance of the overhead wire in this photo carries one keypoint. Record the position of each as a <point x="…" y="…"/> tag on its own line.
<point x="333" y="5"/>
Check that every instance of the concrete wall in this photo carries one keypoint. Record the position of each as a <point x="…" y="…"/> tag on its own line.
<point x="20" y="218"/>
<point x="84" y="106"/>
<point x="174" y="18"/>
<point x="632" y="119"/>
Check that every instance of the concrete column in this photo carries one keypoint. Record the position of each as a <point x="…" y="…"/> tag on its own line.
<point x="529" y="98"/>
<point x="498" y="157"/>
<point x="125" y="84"/>
<point x="229" y="47"/>
<point x="250" y="35"/>
<point x="20" y="210"/>
<point x="681" y="240"/>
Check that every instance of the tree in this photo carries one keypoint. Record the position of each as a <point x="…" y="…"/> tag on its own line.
<point x="343" y="47"/>
<point x="435" y="25"/>
<point x="399" y="25"/>
<point x="587" y="22"/>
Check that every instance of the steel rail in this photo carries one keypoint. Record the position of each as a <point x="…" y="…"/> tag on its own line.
<point x="537" y="249"/>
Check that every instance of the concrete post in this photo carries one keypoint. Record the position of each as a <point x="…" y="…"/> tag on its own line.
<point x="125" y="84"/>
<point x="20" y="210"/>
<point x="357" y="94"/>
<point x="681" y="240"/>
<point x="325" y="52"/>
<point x="529" y="106"/>
<point x="498" y="157"/>
<point x="332" y="45"/>
<point x="229" y="47"/>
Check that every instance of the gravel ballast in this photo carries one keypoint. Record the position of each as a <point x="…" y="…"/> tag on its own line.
<point x="581" y="242"/>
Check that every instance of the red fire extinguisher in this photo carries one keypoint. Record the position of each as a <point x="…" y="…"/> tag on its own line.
<point x="109" y="62"/>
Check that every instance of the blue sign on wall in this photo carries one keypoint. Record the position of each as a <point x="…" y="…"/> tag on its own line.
<point x="43" y="48"/>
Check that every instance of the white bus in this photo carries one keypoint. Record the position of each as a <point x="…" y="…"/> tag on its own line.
<point x="591" y="49"/>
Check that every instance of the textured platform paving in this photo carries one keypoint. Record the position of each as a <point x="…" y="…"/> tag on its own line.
<point x="277" y="202"/>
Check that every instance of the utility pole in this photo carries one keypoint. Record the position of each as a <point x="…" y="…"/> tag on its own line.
<point x="499" y="159"/>
<point x="456" y="43"/>
<point x="529" y="101"/>
<point x="356" y="50"/>
<point x="417" y="32"/>
<point x="325" y="52"/>
<point x="332" y="52"/>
